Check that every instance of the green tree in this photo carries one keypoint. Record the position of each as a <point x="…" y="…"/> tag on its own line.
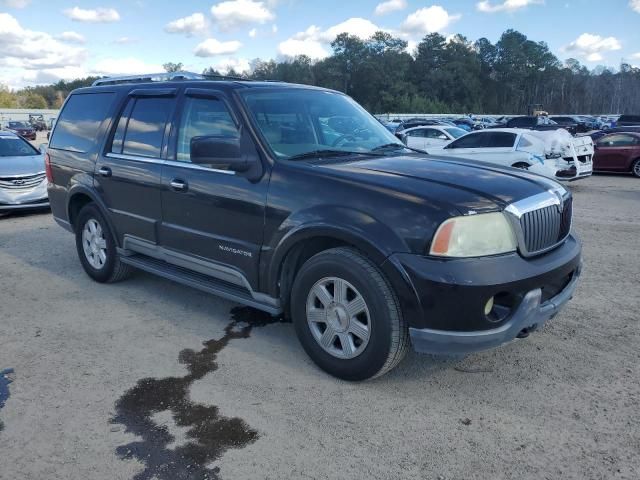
<point x="7" y="98"/>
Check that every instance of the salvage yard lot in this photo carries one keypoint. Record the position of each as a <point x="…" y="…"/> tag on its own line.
<point x="561" y="404"/>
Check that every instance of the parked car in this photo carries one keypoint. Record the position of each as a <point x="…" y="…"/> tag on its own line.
<point x="540" y="123"/>
<point x="555" y="154"/>
<point x="628" y="120"/>
<point x="573" y="124"/>
<point x="250" y="191"/>
<point x="23" y="184"/>
<point x="23" y="129"/>
<point x="423" y="137"/>
<point x="37" y="122"/>
<point x="618" y="152"/>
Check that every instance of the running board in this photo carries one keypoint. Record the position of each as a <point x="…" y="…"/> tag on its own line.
<point x="200" y="281"/>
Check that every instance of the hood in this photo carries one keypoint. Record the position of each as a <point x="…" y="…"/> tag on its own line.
<point x="467" y="187"/>
<point x="21" y="166"/>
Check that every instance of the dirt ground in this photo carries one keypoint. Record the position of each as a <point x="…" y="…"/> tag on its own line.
<point x="147" y="379"/>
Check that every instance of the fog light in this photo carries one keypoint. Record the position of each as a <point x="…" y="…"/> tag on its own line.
<point x="488" y="307"/>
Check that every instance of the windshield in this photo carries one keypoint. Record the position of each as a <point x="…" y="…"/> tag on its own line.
<point x="456" y="132"/>
<point x="296" y="122"/>
<point x="18" y="125"/>
<point x="16" y="147"/>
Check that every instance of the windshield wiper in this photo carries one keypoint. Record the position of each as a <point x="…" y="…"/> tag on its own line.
<point x="325" y="153"/>
<point x="395" y="146"/>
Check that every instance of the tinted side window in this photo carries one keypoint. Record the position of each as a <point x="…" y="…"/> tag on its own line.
<point x="618" y="140"/>
<point x="145" y="127"/>
<point x="497" y="140"/>
<point x="200" y="117"/>
<point x="79" y="121"/>
<point x="470" y="140"/>
<point x="420" y="132"/>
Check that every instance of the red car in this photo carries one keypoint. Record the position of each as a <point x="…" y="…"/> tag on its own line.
<point x="618" y="152"/>
<point x="23" y="129"/>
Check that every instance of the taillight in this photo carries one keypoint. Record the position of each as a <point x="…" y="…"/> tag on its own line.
<point x="47" y="167"/>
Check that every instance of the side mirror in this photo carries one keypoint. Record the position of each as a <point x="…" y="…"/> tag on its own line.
<point x="43" y="148"/>
<point x="219" y="151"/>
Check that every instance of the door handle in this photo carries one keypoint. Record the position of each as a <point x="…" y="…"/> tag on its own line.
<point x="178" y="185"/>
<point x="105" y="171"/>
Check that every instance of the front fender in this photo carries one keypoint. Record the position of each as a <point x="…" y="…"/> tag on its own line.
<point x="347" y="225"/>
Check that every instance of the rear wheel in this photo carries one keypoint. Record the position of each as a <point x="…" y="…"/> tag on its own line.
<point x="97" y="248"/>
<point x="346" y="315"/>
<point x="635" y="168"/>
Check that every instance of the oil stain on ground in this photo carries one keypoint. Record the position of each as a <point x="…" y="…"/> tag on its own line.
<point x="5" y="380"/>
<point x="208" y="433"/>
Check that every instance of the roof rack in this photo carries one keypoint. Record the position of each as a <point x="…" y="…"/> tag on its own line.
<point x="164" y="77"/>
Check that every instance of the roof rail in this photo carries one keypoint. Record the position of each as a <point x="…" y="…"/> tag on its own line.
<point x="149" y="77"/>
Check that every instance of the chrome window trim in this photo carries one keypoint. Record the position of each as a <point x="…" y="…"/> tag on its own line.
<point x="171" y="163"/>
<point x="516" y="210"/>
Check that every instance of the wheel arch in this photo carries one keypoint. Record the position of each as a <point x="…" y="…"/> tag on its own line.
<point x="81" y="195"/>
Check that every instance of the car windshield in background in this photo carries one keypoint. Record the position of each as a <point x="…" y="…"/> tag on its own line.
<point x="456" y="132"/>
<point x="299" y="122"/>
<point x="16" y="147"/>
<point x="19" y="125"/>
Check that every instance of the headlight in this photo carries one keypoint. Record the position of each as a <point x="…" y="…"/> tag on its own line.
<point x="474" y="236"/>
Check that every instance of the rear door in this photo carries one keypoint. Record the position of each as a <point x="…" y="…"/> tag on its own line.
<point x="128" y="170"/>
<point x="416" y="138"/>
<point x="212" y="219"/>
<point x="496" y="147"/>
<point x="433" y="136"/>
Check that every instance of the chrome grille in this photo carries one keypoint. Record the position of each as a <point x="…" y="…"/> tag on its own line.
<point x="21" y="183"/>
<point x="541" y="223"/>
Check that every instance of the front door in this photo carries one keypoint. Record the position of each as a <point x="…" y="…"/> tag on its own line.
<point x="613" y="151"/>
<point x="212" y="220"/>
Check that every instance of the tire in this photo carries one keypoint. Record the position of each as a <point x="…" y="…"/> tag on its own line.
<point x="521" y="165"/>
<point x="104" y="264"/>
<point x="340" y="318"/>
<point x="635" y="168"/>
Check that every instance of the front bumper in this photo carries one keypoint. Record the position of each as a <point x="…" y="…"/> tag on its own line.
<point x="531" y="315"/>
<point x="30" y="198"/>
<point x="446" y="311"/>
<point x="25" y="206"/>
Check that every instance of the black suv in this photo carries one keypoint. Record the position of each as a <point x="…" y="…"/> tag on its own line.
<point x="294" y="200"/>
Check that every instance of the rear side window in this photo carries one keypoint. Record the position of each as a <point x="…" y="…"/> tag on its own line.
<point x="141" y="127"/>
<point x="79" y="121"/>
<point x="471" y="140"/>
<point x="497" y="140"/>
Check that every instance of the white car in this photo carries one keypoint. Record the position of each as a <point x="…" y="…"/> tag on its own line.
<point x="555" y="154"/>
<point x="430" y="135"/>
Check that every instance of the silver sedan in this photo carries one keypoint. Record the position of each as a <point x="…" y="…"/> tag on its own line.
<point x="23" y="183"/>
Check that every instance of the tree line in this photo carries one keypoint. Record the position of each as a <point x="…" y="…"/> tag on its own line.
<point x="442" y="75"/>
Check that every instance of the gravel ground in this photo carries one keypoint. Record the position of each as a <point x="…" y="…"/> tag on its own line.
<point x="115" y="382"/>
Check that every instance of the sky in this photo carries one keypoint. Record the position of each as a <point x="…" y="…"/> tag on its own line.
<point x="42" y="41"/>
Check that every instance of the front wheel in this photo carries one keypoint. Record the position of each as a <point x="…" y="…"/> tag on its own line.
<point x="347" y="317"/>
<point x="97" y="248"/>
<point x="635" y="168"/>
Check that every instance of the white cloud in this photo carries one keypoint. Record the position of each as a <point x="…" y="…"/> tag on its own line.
<point x="309" y="47"/>
<point x="96" y="15"/>
<point x="234" y="13"/>
<point x="274" y="28"/>
<point x="32" y="50"/>
<point x="253" y="32"/>
<point x="212" y="47"/>
<point x="506" y="6"/>
<point x="390" y="6"/>
<point x="591" y="47"/>
<point x="636" y="56"/>
<point x="15" y="3"/>
<point x="635" y="5"/>
<point x="313" y="40"/>
<point x="71" y="37"/>
<point x="429" y="20"/>
<point x="359" y="27"/>
<point x="239" y="65"/>
<point x="190" y="25"/>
